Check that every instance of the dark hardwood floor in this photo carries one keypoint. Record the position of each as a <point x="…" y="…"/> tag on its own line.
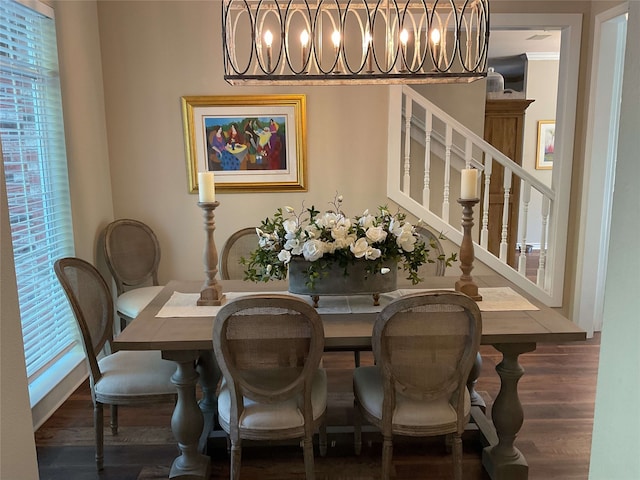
<point x="557" y="393"/>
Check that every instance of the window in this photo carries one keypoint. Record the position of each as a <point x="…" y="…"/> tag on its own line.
<point x="35" y="165"/>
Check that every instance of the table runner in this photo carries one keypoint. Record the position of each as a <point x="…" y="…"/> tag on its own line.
<point x="494" y="299"/>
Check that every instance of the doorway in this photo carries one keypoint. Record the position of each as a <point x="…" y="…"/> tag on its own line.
<point x="600" y="162"/>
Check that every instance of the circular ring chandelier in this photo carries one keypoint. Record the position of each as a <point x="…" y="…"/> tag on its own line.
<point x="316" y="42"/>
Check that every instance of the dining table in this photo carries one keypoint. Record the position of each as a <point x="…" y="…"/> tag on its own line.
<point x="513" y="322"/>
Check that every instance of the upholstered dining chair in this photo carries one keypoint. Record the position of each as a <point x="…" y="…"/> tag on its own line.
<point x="424" y="345"/>
<point x="239" y="244"/>
<point x="120" y="378"/>
<point x="269" y="349"/>
<point x="132" y="253"/>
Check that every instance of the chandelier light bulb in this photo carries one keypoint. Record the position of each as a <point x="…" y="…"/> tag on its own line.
<point x="268" y="38"/>
<point x="304" y="38"/>
<point x="367" y="40"/>
<point x="435" y="36"/>
<point x="404" y="36"/>
<point x="335" y="38"/>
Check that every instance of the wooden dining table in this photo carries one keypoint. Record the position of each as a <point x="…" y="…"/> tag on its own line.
<point x="187" y="340"/>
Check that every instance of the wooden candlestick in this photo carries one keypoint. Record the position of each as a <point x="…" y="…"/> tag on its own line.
<point x="211" y="293"/>
<point x="466" y="284"/>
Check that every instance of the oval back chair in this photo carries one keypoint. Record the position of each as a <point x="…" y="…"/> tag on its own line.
<point x="425" y="345"/>
<point x="240" y="244"/>
<point x="132" y="253"/>
<point x="269" y="349"/>
<point x="121" y="378"/>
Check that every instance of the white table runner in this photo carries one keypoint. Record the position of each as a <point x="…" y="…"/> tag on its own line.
<point x="494" y="299"/>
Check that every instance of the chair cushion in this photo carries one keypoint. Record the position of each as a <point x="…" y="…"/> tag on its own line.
<point x="129" y="374"/>
<point x="367" y="385"/>
<point x="275" y="416"/>
<point x="131" y="303"/>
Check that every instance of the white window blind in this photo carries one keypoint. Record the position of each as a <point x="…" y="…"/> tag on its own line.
<point x="35" y="165"/>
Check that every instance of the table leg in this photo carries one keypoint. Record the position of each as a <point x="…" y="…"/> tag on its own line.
<point x="476" y="399"/>
<point x="209" y="375"/>
<point x="503" y="461"/>
<point x="187" y="420"/>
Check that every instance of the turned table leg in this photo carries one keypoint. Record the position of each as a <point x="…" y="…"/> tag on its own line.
<point x="187" y="420"/>
<point x="503" y="461"/>
<point x="476" y="399"/>
<point x="209" y="375"/>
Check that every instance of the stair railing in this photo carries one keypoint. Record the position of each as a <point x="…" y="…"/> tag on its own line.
<point x="433" y="147"/>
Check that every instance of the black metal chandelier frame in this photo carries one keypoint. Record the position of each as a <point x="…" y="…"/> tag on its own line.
<point x="354" y="41"/>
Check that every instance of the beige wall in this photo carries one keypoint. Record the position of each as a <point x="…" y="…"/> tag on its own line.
<point x="85" y="122"/>
<point x="155" y="52"/>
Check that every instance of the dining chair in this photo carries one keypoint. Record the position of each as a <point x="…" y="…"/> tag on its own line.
<point x="132" y="253"/>
<point x="120" y="378"/>
<point x="239" y="244"/>
<point x="269" y="349"/>
<point x="424" y="345"/>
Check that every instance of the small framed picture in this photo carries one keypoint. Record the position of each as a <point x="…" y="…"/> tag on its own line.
<point x="253" y="143"/>
<point x="546" y="140"/>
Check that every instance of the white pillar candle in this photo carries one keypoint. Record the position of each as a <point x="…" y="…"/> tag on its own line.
<point x="206" y="187"/>
<point x="468" y="183"/>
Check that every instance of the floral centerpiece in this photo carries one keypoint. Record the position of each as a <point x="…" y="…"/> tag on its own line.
<point x="330" y="238"/>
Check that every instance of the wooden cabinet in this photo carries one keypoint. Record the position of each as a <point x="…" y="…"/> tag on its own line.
<point x="503" y="128"/>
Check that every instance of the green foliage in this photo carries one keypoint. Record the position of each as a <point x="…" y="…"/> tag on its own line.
<point x="332" y="237"/>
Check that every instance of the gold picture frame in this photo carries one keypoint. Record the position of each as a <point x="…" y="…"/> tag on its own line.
<point x="545" y="144"/>
<point x="253" y="143"/>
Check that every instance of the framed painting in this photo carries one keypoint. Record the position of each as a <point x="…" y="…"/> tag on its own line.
<point x="253" y="143"/>
<point x="546" y="139"/>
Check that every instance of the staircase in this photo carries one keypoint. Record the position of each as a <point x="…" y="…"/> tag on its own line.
<point x="428" y="148"/>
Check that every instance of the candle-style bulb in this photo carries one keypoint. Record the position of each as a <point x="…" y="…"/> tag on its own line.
<point x="404" y="36"/>
<point x="268" y="38"/>
<point x="335" y="38"/>
<point x="367" y="47"/>
<point x="304" y="38"/>
<point x="435" y="36"/>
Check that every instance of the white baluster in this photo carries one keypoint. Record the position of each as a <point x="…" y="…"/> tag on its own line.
<point x="505" y="215"/>
<point x="484" y="233"/>
<point x="406" y="180"/>
<point x="526" y="198"/>
<point x="447" y="174"/>
<point x="543" y="242"/>
<point x="468" y="149"/>
<point x="426" y="189"/>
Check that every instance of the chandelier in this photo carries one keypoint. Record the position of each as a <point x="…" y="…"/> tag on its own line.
<point x="312" y="42"/>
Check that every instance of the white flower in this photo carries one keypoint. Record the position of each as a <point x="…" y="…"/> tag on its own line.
<point x="376" y="234"/>
<point x="372" y="253"/>
<point x="359" y="248"/>
<point x="289" y="209"/>
<point x="345" y="242"/>
<point x="284" y="256"/>
<point x="312" y="231"/>
<point x="341" y="229"/>
<point x="329" y="220"/>
<point x="290" y="225"/>
<point x="406" y="241"/>
<point x="294" y="245"/>
<point x="366" y="220"/>
<point x="385" y="270"/>
<point x="312" y="250"/>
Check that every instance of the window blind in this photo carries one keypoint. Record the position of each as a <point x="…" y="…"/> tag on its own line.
<point x="35" y="165"/>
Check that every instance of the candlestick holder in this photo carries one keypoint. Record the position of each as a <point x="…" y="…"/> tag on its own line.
<point x="466" y="284"/>
<point x="211" y="293"/>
